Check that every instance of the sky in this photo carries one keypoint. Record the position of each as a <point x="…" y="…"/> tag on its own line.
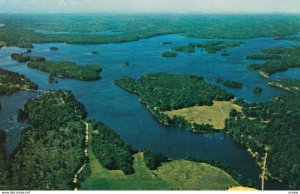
<point x="150" y="6"/>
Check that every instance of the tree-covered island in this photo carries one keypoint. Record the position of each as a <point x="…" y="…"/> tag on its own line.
<point x="11" y="82"/>
<point x="66" y="69"/>
<point x="279" y="59"/>
<point x="210" y="47"/>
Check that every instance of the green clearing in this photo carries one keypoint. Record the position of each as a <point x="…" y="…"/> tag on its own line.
<point x="214" y="115"/>
<point x="191" y="176"/>
<point x="187" y="175"/>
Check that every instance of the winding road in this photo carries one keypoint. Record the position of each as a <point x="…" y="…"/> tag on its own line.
<point x="75" y="179"/>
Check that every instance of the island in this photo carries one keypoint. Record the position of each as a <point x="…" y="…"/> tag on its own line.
<point x="52" y="80"/>
<point x="287" y="58"/>
<point x="169" y="54"/>
<point x="257" y="90"/>
<point x="95" y="53"/>
<point x="125" y="63"/>
<point x="23" y="58"/>
<point x="54" y="48"/>
<point x="233" y="84"/>
<point x="66" y="69"/>
<point x="11" y="82"/>
<point x="289" y="84"/>
<point x="167" y="42"/>
<point x="170" y="97"/>
<point x="210" y="47"/>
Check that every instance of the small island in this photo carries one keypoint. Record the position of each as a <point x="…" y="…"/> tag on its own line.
<point x="54" y="49"/>
<point x="169" y="54"/>
<point x="22" y="58"/>
<point x="95" y="53"/>
<point x="52" y="80"/>
<point x="125" y="63"/>
<point x="11" y="82"/>
<point x="66" y="69"/>
<point x="218" y="79"/>
<point x="257" y="90"/>
<point x="167" y="42"/>
<point x="233" y="84"/>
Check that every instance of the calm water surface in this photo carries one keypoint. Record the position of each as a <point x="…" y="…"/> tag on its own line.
<point x="122" y="111"/>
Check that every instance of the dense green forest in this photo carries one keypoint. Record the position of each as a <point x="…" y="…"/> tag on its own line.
<point x="163" y="91"/>
<point x="68" y="70"/>
<point x="272" y="127"/>
<point x="23" y="58"/>
<point x="110" y="150"/>
<point x="51" y="150"/>
<point x="282" y="59"/>
<point x="290" y="84"/>
<point x="262" y="57"/>
<point x="11" y="82"/>
<point x="18" y="29"/>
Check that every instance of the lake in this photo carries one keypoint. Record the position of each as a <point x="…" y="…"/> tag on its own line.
<point x="122" y="111"/>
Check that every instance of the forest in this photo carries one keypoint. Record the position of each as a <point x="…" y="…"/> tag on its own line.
<point x="23" y="58"/>
<point x="18" y="30"/>
<point x="285" y="58"/>
<point x="233" y="84"/>
<point x="51" y="150"/>
<point x="66" y="69"/>
<point x="11" y="82"/>
<point x="210" y="47"/>
<point x="110" y="150"/>
<point x="163" y="92"/>
<point x="290" y="84"/>
<point x="272" y="127"/>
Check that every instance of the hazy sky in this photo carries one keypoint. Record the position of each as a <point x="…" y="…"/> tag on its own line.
<point x="150" y="6"/>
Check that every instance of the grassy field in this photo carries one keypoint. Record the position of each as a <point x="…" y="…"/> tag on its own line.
<point x="214" y="115"/>
<point x="178" y="174"/>
<point x="187" y="175"/>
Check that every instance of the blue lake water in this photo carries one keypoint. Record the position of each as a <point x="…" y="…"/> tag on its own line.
<point x="122" y="111"/>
